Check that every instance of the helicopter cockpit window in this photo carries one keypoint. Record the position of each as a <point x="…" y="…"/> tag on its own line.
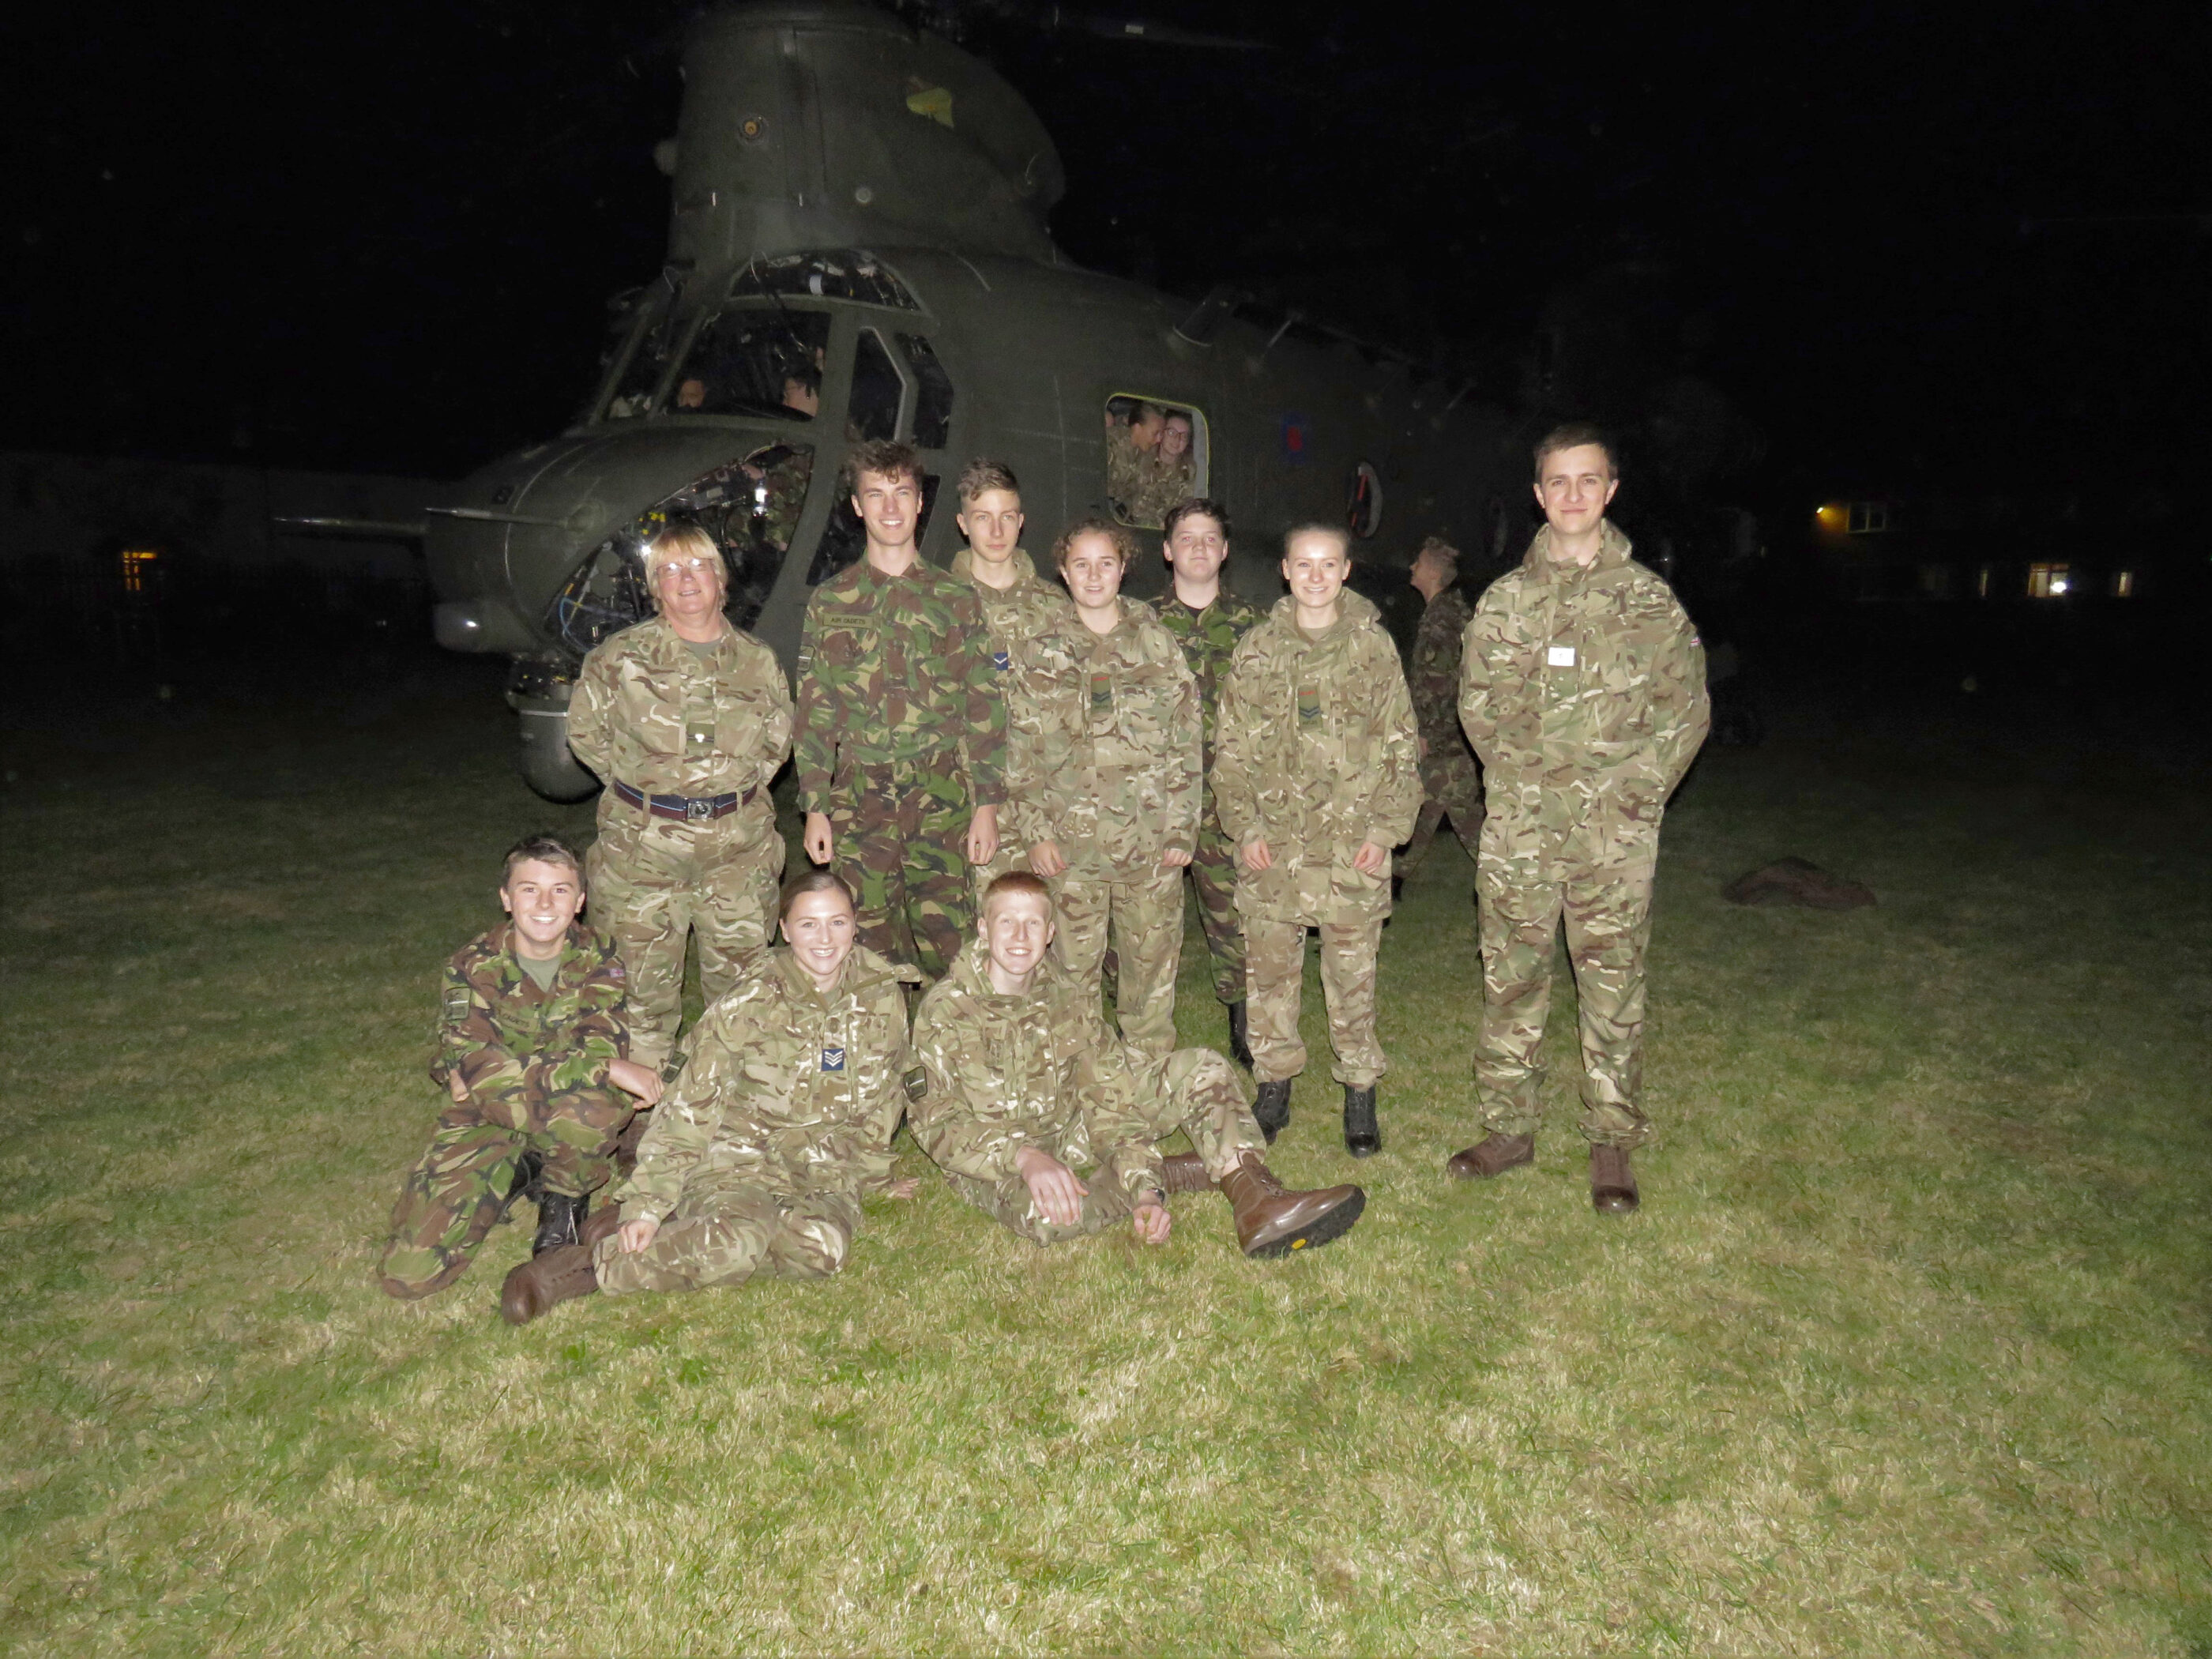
<point x="842" y="273"/>
<point x="750" y="361"/>
<point x="1157" y="453"/>
<point x="932" y="393"/>
<point x="877" y="391"/>
<point x="648" y="357"/>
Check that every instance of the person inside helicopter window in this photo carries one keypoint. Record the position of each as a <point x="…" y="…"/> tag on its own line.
<point x="691" y="393"/>
<point x="802" y="390"/>
<point x="1178" y="465"/>
<point x="1132" y="458"/>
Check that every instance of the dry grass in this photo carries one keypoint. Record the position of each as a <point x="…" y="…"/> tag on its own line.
<point x="1907" y="1352"/>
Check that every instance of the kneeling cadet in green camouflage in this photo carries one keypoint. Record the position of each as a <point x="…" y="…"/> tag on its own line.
<point x="533" y="1048"/>
<point x="782" y="1118"/>
<point x="1019" y="1084"/>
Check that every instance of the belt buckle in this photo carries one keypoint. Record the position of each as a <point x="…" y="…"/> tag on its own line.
<point x="698" y="810"/>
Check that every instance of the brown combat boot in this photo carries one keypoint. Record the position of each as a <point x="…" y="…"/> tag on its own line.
<point x="602" y="1223"/>
<point x="1613" y="1184"/>
<point x="559" y="1275"/>
<point x="1493" y="1155"/>
<point x="1272" y="1220"/>
<point x="1185" y="1172"/>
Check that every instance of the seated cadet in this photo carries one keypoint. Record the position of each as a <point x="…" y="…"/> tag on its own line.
<point x="782" y="1118"/>
<point x="533" y="1049"/>
<point x="1019" y="1084"/>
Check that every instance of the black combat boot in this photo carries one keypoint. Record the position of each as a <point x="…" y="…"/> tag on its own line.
<point x="1272" y="1111"/>
<point x="1240" y="1036"/>
<point x="560" y="1221"/>
<point x="1363" y="1136"/>
<point x="529" y="1182"/>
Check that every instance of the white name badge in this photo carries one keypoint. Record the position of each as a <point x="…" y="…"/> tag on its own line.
<point x="1560" y="656"/>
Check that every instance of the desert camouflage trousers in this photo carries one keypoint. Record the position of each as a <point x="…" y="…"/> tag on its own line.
<point x="726" y="1230"/>
<point x="1144" y="917"/>
<point x="458" y="1193"/>
<point x="1606" y="904"/>
<point x="1213" y="879"/>
<point x="654" y="881"/>
<point x="1196" y="1093"/>
<point x="900" y="836"/>
<point x="1274" y="976"/>
<point x="1450" y="789"/>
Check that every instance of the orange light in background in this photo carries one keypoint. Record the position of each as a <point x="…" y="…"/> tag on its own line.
<point x="1832" y="515"/>
<point x="137" y="566"/>
<point x="2048" y="581"/>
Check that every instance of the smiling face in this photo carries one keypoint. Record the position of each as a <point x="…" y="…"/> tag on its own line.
<point x="887" y="504"/>
<point x="1314" y="565"/>
<point x="992" y="522"/>
<point x="544" y="899"/>
<point x="820" y="929"/>
<point x="1574" y="487"/>
<point x="1016" y="928"/>
<point x="689" y="586"/>
<point x="1174" y="437"/>
<point x="1092" y="569"/>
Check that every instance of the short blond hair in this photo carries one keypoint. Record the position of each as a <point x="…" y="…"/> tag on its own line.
<point x="681" y="541"/>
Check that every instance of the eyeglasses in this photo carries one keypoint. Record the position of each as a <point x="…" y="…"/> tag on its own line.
<point x="697" y="566"/>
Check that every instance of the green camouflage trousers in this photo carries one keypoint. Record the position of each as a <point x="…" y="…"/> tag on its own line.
<point x="1450" y="790"/>
<point x="1607" y="912"/>
<point x="725" y="1231"/>
<point x="1196" y="1093"/>
<point x="900" y="842"/>
<point x="1213" y="877"/>
<point x="1275" y="973"/>
<point x="1144" y="915"/>
<point x="453" y="1197"/>
<point x="653" y="882"/>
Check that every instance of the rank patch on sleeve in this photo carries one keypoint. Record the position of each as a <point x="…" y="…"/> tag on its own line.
<point x="1005" y="659"/>
<point x="833" y="1059"/>
<point x="917" y="1083"/>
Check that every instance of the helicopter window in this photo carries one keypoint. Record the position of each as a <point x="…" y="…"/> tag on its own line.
<point x="1157" y="453"/>
<point x="877" y="391"/>
<point x="932" y="398"/>
<point x="747" y="361"/>
<point x="845" y="538"/>
<point x="648" y="358"/>
<point x="1364" y="509"/>
<point x="843" y="273"/>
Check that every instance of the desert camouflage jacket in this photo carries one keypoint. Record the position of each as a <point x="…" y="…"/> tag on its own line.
<point x="1316" y="756"/>
<point x="1432" y="679"/>
<point x="651" y="713"/>
<point x="786" y="1086"/>
<point x="999" y="1073"/>
<point x="1209" y="640"/>
<point x="1582" y="690"/>
<point x="1016" y="615"/>
<point x="1113" y="776"/>
<point x="510" y="1043"/>
<point x="896" y="673"/>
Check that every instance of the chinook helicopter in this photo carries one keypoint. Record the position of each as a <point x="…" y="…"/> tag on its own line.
<point x="858" y="250"/>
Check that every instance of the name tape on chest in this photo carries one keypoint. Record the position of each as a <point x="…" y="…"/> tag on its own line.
<point x="1559" y="656"/>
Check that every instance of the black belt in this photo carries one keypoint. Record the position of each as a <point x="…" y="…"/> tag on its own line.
<point x="687" y="809"/>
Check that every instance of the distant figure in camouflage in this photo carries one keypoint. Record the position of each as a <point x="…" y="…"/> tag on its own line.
<point x="1317" y="779"/>
<point x="1020" y="1085"/>
<point x="902" y="730"/>
<point x="1108" y="803"/>
<point x="533" y="1046"/>
<point x="1207" y="621"/>
<point x="1142" y="479"/>
<point x="782" y="1119"/>
<point x="1018" y="607"/>
<point x="1452" y="786"/>
<point x="685" y="719"/>
<point x="1583" y="688"/>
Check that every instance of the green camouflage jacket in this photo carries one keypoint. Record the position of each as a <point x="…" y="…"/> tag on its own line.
<point x="1433" y="680"/>
<point x="1209" y="639"/>
<point x="896" y="673"/>
<point x="1316" y="756"/>
<point x="1584" y="690"/>
<point x="999" y="1073"/>
<point x="796" y="1090"/>
<point x="651" y="713"/>
<point x="1114" y="775"/>
<point x="510" y="1043"/>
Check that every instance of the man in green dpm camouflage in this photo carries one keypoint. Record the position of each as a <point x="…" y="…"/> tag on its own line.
<point x="1315" y="780"/>
<point x="782" y="1119"/>
<point x="685" y="719"/>
<point x="532" y="1046"/>
<point x="1207" y="621"/>
<point x="1108" y="805"/>
<point x="1020" y="1084"/>
<point x="1018" y="608"/>
<point x="902" y="731"/>
<point x="1450" y="785"/>
<point x="1583" y="688"/>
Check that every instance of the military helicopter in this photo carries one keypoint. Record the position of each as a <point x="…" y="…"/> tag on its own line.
<point x="857" y="250"/>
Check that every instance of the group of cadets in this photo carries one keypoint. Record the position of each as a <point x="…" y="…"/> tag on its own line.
<point x="1004" y="783"/>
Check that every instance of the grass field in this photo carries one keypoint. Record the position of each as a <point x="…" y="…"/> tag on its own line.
<point x="1906" y="1352"/>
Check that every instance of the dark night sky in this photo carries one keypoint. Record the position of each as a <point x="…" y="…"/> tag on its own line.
<point x="381" y="236"/>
